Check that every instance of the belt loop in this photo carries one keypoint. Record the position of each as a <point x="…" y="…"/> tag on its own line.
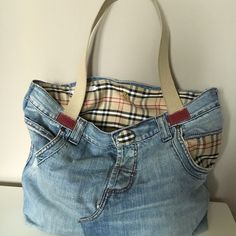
<point x="77" y="132"/>
<point x="164" y="128"/>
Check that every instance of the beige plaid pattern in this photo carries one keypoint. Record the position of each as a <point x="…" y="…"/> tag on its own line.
<point x="126" y="137"/>
<point x="111" y="105"/>
<point x="205" y="150"/>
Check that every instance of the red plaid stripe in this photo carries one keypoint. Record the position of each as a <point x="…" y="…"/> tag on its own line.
<point x="205" y="150"/>
<point x="111" y="105"/>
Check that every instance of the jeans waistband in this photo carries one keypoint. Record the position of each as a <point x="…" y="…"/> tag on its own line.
<point x="48" y="106"/>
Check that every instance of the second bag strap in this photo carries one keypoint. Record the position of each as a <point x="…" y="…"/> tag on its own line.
<point x="170" y="94"/>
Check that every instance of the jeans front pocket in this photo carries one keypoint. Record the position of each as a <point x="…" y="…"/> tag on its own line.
<point x="204" y="150"/>
<point x="45" y="142"/>
<point x="198" y="154"/>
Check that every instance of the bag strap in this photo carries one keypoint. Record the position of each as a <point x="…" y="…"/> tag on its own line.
<point x="170" y="94"/>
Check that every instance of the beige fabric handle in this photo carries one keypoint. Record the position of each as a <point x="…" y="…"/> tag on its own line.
<point x="170" y="93"/>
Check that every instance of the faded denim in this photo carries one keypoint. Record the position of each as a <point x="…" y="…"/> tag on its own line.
<point x="85" y="183"/>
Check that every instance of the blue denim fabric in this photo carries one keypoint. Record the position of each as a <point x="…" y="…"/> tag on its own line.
<point x="85" y="183"/>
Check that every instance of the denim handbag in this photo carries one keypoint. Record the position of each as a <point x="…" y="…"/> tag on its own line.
<point x="119" y="157"/>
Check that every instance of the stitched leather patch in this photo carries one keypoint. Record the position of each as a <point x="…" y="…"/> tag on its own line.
<point x="66" y="121"/>
<point x="178" y="116"/>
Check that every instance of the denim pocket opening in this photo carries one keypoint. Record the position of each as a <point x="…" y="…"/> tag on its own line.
<point x="45" y="141"/>
<point x="203" y="151"/>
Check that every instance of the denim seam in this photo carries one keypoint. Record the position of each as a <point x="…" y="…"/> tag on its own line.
<point x="56" y="122"/>
<point x="27" y="97"/>
<point x="30" y="156"/>
<point x="41" y="109"/>
<point x="106" y="195"/>
<point x="132" y="172"/>
<point x="188" y="155"/>
<point x="191" y="168"/>
<point x="84" y="135"/>
<point x="48" y="146"/>
<point x="45" y="113"/>
<point x="92" y="141"/>
<point x="75" y="139"/>
<point x="165" y="131"/>
<point x="199" y="114"/>
<point x="130" y="182"/>
<point x="38" y="128"/>
<point x="206" y="111"/>
<point x="109" y="191"/>
<point x="201" y="94"/>
<point x="199" y="135"/>
<point x="49" y="156"/>
<point x="184" y="165"/>
<point x="42" y="91"/>
<point x="145" y="139"/>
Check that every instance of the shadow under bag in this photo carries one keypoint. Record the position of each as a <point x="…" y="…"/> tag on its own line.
<point x="119" y="157"/>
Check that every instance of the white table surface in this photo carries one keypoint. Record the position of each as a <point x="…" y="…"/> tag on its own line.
<point x="220" y="219"/>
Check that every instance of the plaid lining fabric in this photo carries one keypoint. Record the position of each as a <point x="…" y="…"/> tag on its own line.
<point x="111" y="105"/>
<point x="204" y="150"/>
<point x="126" y="136"/>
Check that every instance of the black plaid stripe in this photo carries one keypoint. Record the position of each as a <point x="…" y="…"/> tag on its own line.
<point x="60" y="93"/>
<point x="205" y="150"/>
<point x="126" y="137"/>
<point x="112" y="105"/>
<point x="139" y="103"/>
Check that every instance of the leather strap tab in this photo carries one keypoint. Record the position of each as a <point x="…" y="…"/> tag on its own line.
<point x="179" y="116"/>
<point x="66" y="121"/>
